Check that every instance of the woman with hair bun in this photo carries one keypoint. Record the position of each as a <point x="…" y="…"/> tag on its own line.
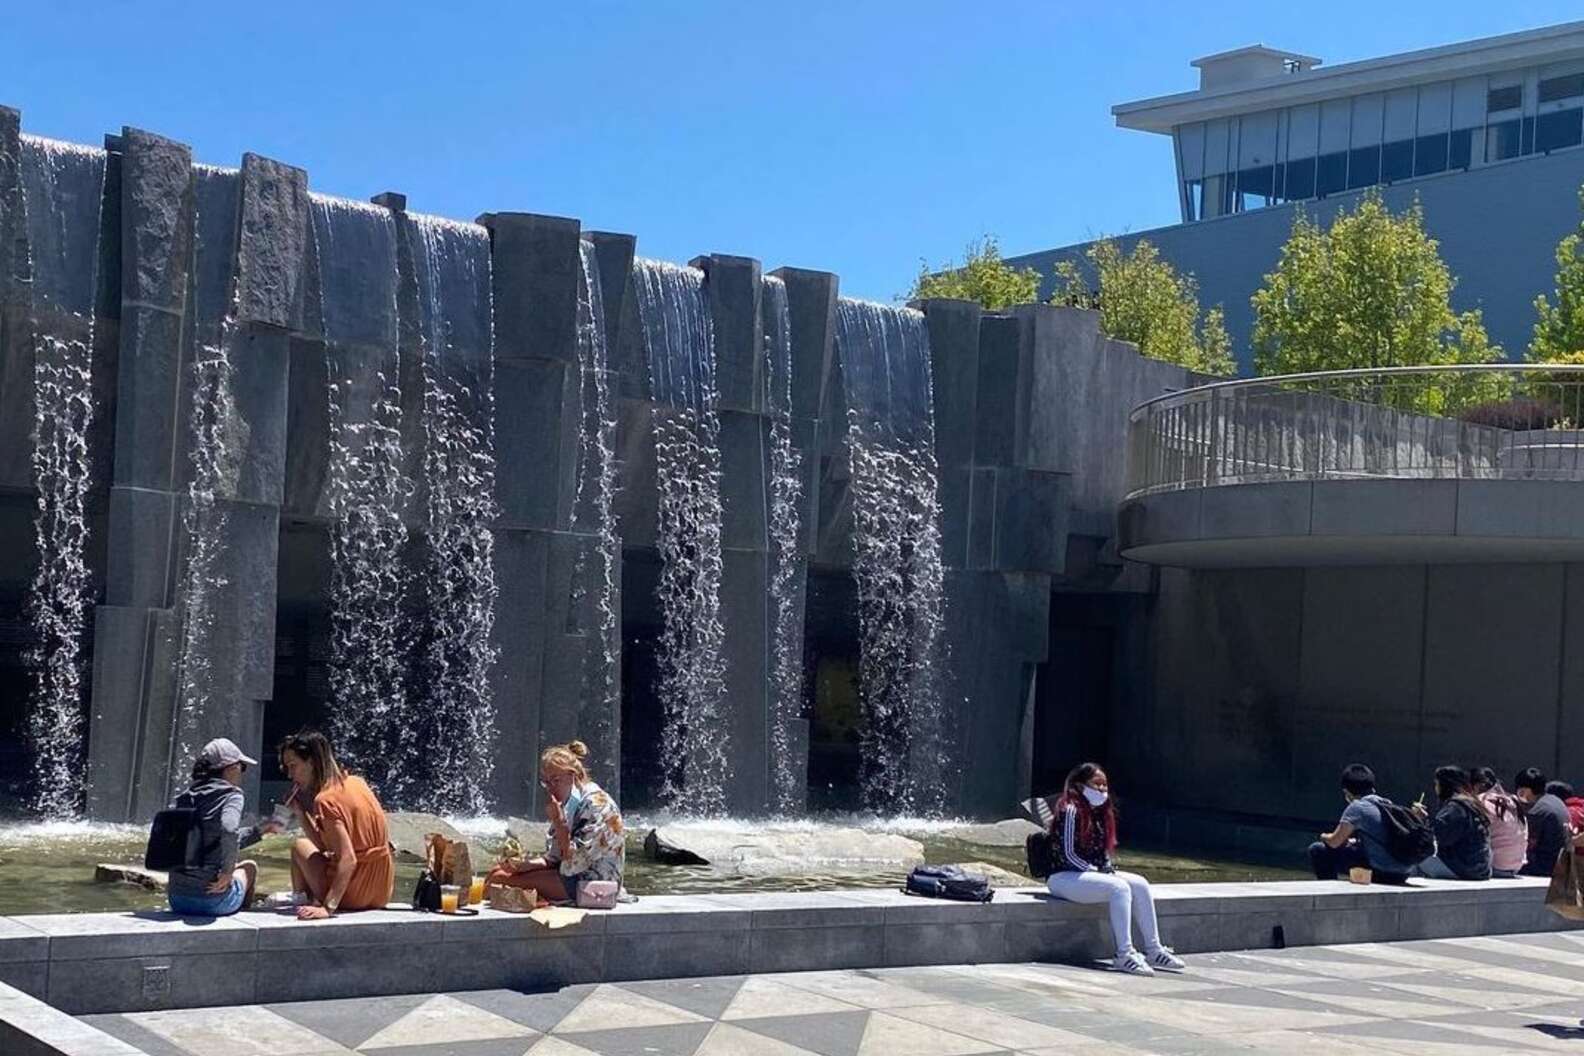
<point x="586" y="840"/>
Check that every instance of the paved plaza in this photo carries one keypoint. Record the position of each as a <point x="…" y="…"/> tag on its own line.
<point x="1514" y="994"/>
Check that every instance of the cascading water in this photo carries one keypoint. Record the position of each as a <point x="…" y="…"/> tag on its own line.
<point x="680" y="343"/>
<point x="210" y="415"/>
<point x="885" y="361"/>
<point x="596" y="485"/>
<point x="787" y="562"/>
<point x="63" y="186"/>
<point x="452" y="267"/>
<point x="371" y="723"/>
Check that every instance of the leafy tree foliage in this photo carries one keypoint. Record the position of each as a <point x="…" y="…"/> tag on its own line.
<point x="1143" y="299"/>
<point x="983" y="276"/>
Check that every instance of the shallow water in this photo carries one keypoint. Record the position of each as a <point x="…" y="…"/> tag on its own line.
<point x="49" y="867"/>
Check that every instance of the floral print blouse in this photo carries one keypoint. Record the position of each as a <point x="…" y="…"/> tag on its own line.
<point x="599" y="840"/>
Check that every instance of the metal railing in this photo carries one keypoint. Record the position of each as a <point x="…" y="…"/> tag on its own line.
<point x="1476" y="421"/>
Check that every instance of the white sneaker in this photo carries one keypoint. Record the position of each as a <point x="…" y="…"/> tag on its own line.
<point x="1132" y="963"/>
<point x="1166" y="960"/>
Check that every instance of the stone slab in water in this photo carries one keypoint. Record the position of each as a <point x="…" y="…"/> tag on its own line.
<point x="771" y="851"/>
<point x="408" y="828"/>
<point x="997" y="876"/>
<point x="111" y="873"/>
<point x="1010" y="832"/>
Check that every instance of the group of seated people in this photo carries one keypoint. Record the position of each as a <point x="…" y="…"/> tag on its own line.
<point x="344" y="861"/>
<point x="1481" y="830"/>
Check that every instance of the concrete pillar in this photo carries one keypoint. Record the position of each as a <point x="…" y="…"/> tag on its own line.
<point x="546" y="627"/>
<point x="135" y="631"/>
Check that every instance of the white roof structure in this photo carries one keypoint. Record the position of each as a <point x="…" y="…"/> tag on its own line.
<point x="1255" y="78"/>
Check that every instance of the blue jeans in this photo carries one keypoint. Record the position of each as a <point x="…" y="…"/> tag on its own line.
<point x="221" y="905"/>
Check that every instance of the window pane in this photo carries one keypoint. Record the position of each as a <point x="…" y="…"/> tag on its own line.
<point x="1468" y="103"/>
<point x="1212" y="198"/>
<point x="1257" y="141"/>
<point x="1435" y="108"/>
<point x="1255" y="188"/>
<point x="1507" y="97"/>
<point x="1460" y="149"/>
<point x="1303" y="130"/>
<point x="1430" y="153"/>
<point x="1190" y="147"/>
<point x="1336" y="116"/>
<point x="1363" y="167"/>
<point x="1397" y="160"/>
<point x="1501" y="140"/>
<point x="1332" y="173"/>
<point x="1367" y="111"/>
<point x="1300" y="179"/>
<point x="1195" y="197"/>
<point x="1215" y="154"/>
<point x="1402" y="109"/>
<point x="1564" y="87"/>
<point x="1528" y="135"/>
<point x="1558" y="129"/>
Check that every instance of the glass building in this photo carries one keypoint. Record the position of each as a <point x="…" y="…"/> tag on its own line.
<point x="1303" y="131"/>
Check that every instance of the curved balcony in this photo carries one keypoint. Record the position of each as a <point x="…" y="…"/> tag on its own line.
<point x="1400" y="465"/>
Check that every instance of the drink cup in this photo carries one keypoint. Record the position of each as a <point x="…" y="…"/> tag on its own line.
<point x="450" y="896"/>
<point x="283" y="816"/>
<point x="476" y="891"/>
<point x="1361" y="874"/>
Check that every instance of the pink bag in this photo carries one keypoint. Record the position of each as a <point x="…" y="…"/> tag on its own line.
<point x="597" y="894"/>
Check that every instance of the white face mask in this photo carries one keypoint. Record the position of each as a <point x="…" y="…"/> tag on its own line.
<point x="1095" y="797"/>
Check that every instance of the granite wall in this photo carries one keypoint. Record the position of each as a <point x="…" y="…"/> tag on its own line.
<point x="1029" y="407"/>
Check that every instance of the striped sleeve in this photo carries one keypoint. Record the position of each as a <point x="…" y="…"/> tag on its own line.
<point x="1071" y="859"/>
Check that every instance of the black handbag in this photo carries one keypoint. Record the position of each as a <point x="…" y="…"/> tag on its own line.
<point x="426" y="894"/>
<point x="1040" y="847"/>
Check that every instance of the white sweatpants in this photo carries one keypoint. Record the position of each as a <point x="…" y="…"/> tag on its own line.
<point x="1128" y="896"/>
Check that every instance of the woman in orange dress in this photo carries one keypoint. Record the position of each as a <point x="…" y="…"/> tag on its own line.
<point x="343" y="860"/>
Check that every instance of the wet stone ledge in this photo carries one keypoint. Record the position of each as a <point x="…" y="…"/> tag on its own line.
<point x="103" y="962"/>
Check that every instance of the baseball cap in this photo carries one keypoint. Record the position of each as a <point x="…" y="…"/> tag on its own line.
<point x="222" y="752"/>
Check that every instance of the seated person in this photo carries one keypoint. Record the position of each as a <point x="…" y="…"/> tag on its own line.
<point x="1548" y="821"/>
<point x="213" y="883"/>
<point x="1462" y="830"/>
<point x="1359" y="838"/>
<point x="343" y="860"/>
<point x="1509" y="832"/>
<point x="587" y="840"/>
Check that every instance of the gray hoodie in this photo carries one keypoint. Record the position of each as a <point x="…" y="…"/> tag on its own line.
<point x="218" y="835"/>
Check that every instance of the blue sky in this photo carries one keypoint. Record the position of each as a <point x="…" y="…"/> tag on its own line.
<point x="855" y="137"/>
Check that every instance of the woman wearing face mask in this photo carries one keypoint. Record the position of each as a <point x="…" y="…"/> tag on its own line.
<point x="1085" y="833"/>
<point x="586" y="840"/>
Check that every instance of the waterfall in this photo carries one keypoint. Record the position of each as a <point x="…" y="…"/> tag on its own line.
<point x="451" y="262"/>
<point x="596" y="485"/>
<point x="787" y="562"/>
<point x="370" y="721"/>
<point x="210" y="414"/>
<point x="63" y="187"/>
<point x="680" y="344"/>
<point x="885" y="363"/>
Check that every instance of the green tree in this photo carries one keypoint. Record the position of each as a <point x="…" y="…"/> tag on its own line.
<point x="1369" y="291"/>
<point x="1143" y="299"/>
<point x="1372" y="291"/>
<point x="1559" y="328"/>
<point x="983" y="276"/>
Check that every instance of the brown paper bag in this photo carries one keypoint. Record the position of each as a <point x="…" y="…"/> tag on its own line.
<point x="512" y="899"/>
<point x="1565" y="896"/>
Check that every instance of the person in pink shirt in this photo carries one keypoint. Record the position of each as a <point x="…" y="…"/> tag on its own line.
<point x="1509" y="830"/>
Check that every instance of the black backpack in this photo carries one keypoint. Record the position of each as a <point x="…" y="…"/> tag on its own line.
<point x="948" y="881"/>
<point x="1408" y="839"/>
<point x="1040" y="847"/>
<point x="170" y="837"/>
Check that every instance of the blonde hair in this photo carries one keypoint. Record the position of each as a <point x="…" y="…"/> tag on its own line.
<point x="567" y="756"/>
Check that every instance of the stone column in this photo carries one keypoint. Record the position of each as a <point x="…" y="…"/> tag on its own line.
<point x="734" y="286"/>
<point x="1005" y="511"/>
<point x="546" y="621"/>
<point x="136" y="631"/>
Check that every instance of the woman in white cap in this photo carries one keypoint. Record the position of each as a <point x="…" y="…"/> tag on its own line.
<point x="213" y="883"/>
